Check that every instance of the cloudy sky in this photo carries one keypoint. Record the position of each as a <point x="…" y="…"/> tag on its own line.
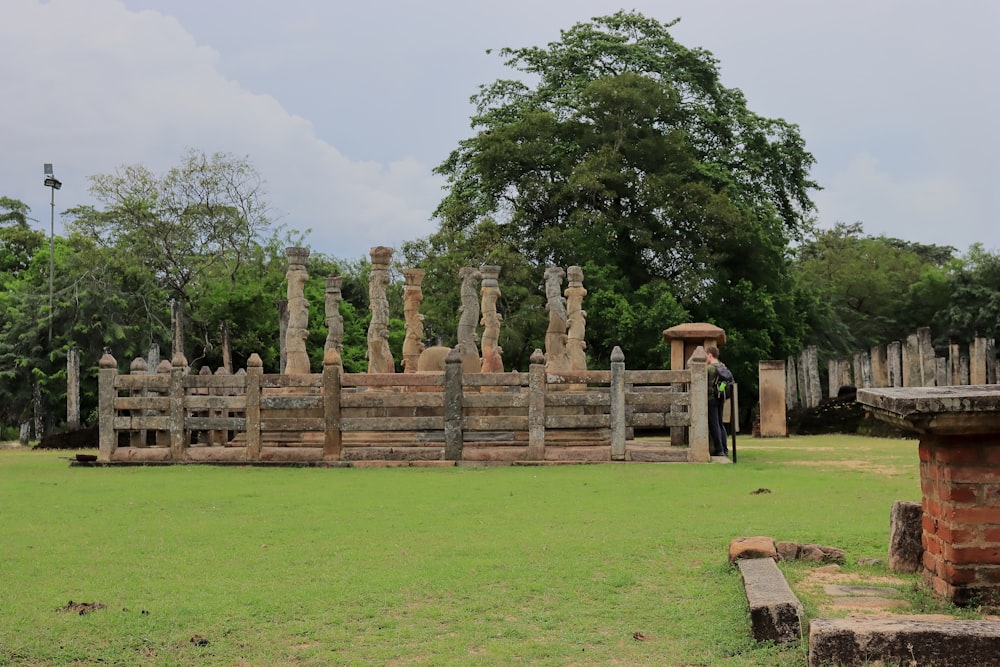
<point x="345" y="107"/>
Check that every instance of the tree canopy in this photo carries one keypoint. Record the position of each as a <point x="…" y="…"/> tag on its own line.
<point x="626" y="155"/>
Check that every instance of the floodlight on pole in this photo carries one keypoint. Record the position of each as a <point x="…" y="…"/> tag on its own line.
<point x="54" y="184"/>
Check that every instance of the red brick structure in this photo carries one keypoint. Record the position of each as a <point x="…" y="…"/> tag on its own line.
<point x="959" y="431"/>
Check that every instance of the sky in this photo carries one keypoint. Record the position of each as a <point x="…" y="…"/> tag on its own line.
<point x="345" y="108"/>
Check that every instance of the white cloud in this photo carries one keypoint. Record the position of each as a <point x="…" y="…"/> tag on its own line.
<point x="95" y="86"/>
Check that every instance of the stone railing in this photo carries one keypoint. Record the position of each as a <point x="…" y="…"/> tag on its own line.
<point x="172" y="416"/>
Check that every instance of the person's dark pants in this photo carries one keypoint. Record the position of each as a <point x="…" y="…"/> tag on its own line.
<point x="716" y="431"/>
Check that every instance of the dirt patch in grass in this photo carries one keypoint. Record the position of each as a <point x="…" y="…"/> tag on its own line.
<point x="866" y="466"/>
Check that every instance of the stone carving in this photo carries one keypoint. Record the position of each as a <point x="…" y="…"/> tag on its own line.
<point x="576" y="344"/>
<point x="490" y="293"/>
<point x="413" y="344"/>
<point x="334" y="320"/>
<point x="555" y="336"/>
<point x="433" y="358"/>
<point x="379" y="354"/>
<point x="298" y="312"/>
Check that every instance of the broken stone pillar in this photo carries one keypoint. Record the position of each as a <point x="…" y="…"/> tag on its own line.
<point x="791" y="384"/>
<point x="959" y="429"/>
<point x="379" y="354"/>
<point x="912" y="376"/>
<point x="880" y="375"/>
<point x="489" y="293"/>
<point x="576" y="356"/>
<point x="894" y="364"/>
<point x="413" y="295"/>
<point x="773" y="421"/>
<point x="906" y="551"/>
<point x="928" y="364"/>
<point x="334" y="320"/>
<point x="297" y="362"/>
<point x="73" y="388"/>
<point x="555" y="335"/>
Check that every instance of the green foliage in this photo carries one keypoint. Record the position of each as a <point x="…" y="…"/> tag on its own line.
<point x="972" y="294"/>
<point x="628" y="157"/>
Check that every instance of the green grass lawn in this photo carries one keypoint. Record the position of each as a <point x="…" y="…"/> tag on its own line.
<point x="565" y="565"/>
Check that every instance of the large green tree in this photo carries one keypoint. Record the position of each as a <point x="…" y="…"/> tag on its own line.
<point x="623" y="152"/>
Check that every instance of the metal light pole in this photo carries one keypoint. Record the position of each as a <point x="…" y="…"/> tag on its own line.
<point x="53" y="183"/>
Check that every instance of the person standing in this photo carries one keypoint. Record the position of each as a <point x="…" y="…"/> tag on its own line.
<point x="716" y="404"/>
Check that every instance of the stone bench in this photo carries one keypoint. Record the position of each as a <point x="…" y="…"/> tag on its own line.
<point x="775" y="613"/>
<point x="903" y="641"/>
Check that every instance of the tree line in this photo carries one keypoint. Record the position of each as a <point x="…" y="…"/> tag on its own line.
<point x="625" y="155"/>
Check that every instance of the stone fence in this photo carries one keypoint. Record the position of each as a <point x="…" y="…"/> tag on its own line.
<point x="331" y="418"/>
<point x="910" y="363"/>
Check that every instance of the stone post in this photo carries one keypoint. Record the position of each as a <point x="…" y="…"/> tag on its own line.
<point x="555" y="335"/>
<point x="954" y="364"/>
<point x="332" y="439"/>
<point x="536" y="407"/>
<point x="453" y="436"/>
<point x="73" y="388"/>
<point x="912" y="375"/>
<point x="178" y="436"/>
<point x="894" y="364"/>
<point x="698" y="440"/>
<point x="177" y="327"/>
<point x="492" y="361"/>
<point x="959" y="429"/>
<point x="617" y="409"/>
<point x="928" y="364"/>
<point x="791" y="384"/>
<point x="334" y="320"/>
<point x="469" y="314"/>
<point x="379" y="354"/>
<point x="138" y="367"/>
<point x="773" y="417"/>
<point x="576" y="345"/>
<point x="106" y="407"/>
<point x="255" y="368"/>
<point x="880" y="372"/>
<point x="413" y="295"/>
<point x="906" y="550"/>
<point x="298" y="312"/>
<point x="282" y="334"/>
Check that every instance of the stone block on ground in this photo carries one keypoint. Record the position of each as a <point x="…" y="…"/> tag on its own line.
<point x="775" y="612"/>
<point x="752" y="547"/>
<point x="906" y="552"/>
<point x="864" y="640"/>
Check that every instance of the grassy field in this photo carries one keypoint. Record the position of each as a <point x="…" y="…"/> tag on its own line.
<point x="569" y="565"/>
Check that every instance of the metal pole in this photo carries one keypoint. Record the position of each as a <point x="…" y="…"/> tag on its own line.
<point x="52" y="260"/>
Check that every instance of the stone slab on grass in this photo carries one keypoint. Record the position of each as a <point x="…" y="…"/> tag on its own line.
<point x="775" y="613"/>
<point x="864" y="640"/>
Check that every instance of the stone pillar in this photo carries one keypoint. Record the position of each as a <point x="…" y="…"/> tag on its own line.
<point x="954" y="364"/>
<point x="297" y="362"/>
<point x="906" y="549"/>
<point x="576" y="356"/>
<point x="791" y="384"/>
<point x="413" y="295"/>
<point x="698" y="437"/>
<point x="617" y="408"/>
<point x="334" y="320"/>
<point x="453" y="392"/>
<point x="894" y="364"/>
<point x="73" y="388"/>
<point x="536" y="407"/>
<point x="177" y="327"/>
<point x="928" y="364"/>
<point x="106" y="442"/>
<point x="977" y="361"/>
<point x="489" y="294"/>
<point x="912" y="375"/>
<point x="555" y="335"/>
<point x="880" y="373"/>
<point x="379" y="354"/>
<point x="469" y="315"/>
<point x="959" y="430"/>
<point x="773" y="418"/>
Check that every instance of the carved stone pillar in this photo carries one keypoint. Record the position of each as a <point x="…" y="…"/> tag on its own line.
<point x="334" y="320"/>
<point x="490" y="293"/>
<point x="576" y="344"/>
<point x="555" y="335"/>
<point x="298" y="312"/>
<point x="413" y="344"/>
<point x="469" y="313"/>
<point x="379" y="354"/>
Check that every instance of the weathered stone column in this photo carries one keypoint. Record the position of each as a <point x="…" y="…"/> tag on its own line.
<point x="536" y="407"/>
<point x="379" y="354"/>
<point x="298" y="312"/>
<point x="894" y="364"/>
<point x="489" y="294"/>
<point x="453" y="436"/>
<point x="73" y="388"/>
<point x="106" y="442"/>
<point x="880" y="373"/>
<point x="413" y="295"/>
<point x="334" y="320"/>
<point x="698" y="438"/>
<point x="555" y="335"/>
<point x="469" y="315"/>
<point x="773" y="422"/>
<point x="576" y="356"/>
<point x="959" y="449"/>
<point x="617" y="408"/>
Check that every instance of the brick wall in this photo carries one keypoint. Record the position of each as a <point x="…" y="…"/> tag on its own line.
<point x="960" y="481"/>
